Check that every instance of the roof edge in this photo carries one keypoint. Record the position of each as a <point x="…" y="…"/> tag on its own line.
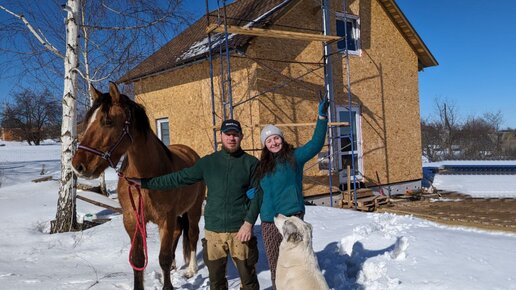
<point x="425" y="57"/>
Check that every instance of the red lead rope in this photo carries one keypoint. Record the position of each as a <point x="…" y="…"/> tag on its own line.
<point x="139" y="215"/>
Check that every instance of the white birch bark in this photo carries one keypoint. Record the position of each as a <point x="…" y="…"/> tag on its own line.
<point x="65" y="216"/>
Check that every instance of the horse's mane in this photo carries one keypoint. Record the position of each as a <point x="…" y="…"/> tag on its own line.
<point x="137" y="112"/>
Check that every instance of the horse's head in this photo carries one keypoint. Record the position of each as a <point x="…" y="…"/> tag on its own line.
<point x="110" y="128"/>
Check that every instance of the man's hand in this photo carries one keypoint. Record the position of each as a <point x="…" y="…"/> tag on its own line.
<point x="134" y="181"/>
<point x="245" y="232"/>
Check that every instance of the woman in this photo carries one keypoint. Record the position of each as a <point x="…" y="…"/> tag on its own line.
<point x="280" y="177"/>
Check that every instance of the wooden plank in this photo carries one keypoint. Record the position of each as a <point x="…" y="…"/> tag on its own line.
<point x="100" y="200"/>
<point x="346" y="204"/>
<point x="44" y="178"/>
<point x="366" y="201"/>
<point x="363" y="204"/>
<point x="343" y="124"/>
<point x="348" y="178"/>
<point x="361" y="193"/>
<point x="381" y="200"/>
<point x="334" y="124"/>
<point x="272" y="33"/>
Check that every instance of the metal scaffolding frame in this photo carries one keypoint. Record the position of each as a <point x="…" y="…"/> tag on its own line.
<point x="225" y="79"/>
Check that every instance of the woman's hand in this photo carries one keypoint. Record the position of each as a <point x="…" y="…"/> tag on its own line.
<point x="323" y="107"/>
<point x="251" y="193"/>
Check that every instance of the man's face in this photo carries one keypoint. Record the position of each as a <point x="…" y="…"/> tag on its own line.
<point x="231" y="140"/>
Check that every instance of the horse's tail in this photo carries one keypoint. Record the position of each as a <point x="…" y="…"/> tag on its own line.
<point x="187" y="251"/>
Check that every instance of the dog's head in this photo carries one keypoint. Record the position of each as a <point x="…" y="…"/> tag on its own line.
<point x="294" y="230"/>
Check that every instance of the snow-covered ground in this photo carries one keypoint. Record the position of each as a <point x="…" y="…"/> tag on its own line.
<point x="355" y="250"/>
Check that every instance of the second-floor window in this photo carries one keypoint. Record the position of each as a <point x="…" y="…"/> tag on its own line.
<point x="349" y="26"/>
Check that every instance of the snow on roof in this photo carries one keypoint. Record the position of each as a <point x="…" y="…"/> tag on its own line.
<point x="201" y="47"/>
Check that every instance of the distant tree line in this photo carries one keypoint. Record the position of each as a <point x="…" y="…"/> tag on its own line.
<point x="36" y="115"/>
<point x="446" y="137"/>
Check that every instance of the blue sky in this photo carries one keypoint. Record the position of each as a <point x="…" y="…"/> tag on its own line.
<point x="473" y="41"/>
<point x="475" y="44"/>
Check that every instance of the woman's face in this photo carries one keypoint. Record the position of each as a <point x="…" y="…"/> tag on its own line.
<point x="274" y="143"/>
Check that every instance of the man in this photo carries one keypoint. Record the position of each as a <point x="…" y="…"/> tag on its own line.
<point x="227" y="174"/>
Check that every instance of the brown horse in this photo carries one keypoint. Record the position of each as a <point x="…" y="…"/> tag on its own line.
<point x="117" y="126"/>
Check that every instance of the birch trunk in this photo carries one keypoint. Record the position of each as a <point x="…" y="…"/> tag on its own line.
<point x="66" y="219"/>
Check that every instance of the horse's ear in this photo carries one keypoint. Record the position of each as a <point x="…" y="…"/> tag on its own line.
<point x="94" y="93"/>
<point x="114" y="92"/>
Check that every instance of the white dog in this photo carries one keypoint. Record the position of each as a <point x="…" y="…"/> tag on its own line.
<point x="297" y="267"/>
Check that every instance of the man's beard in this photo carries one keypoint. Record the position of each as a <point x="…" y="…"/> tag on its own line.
<point x="228" y="150"/>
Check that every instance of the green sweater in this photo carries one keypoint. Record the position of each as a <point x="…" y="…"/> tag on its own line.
<point x="281" y="191"/>
<point x="227" y="176"/>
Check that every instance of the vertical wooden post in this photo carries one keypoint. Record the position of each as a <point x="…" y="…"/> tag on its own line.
<point x="348" y="179"/>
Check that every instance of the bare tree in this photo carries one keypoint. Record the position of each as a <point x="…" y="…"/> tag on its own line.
<point x="449" y="120"/>
<point x="35" y="114"/>
<point x="446" y="137"/>
<point x="476" y="139"/>
<point x="440" y="134"/>
<point x="116" y="35"/>
<point x="431" y="139"/>
<point x="496" y="121"/>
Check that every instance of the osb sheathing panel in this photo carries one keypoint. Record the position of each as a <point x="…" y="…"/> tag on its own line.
<point x="384" y="83"/>
<point x="301" y="68"/>
<point x="184" y="97"/>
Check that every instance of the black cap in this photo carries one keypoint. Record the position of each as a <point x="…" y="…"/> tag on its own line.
<point x="231" y="125"/>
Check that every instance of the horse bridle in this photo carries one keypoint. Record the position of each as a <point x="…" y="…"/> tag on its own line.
<point x="139" y="211"/>
<point x="107" y="154"/>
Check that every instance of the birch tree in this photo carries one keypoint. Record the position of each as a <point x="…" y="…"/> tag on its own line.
<point x="116" y="35"/>
<point x="65" y="216"/>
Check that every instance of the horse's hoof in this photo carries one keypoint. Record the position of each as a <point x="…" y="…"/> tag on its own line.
<point x="188" y="274"/>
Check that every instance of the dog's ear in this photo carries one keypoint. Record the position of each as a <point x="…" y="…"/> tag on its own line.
<point x="291" y="233"/>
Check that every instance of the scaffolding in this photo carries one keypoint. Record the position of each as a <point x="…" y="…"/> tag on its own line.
<point x="221" y="27"/>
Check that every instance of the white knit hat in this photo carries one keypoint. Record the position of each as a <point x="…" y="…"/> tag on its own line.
<point x="269" y="130"/>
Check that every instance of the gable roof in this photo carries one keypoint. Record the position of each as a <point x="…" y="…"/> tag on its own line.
<point x="192" y="44"/>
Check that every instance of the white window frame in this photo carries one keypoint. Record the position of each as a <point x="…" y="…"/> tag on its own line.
<point x="355" y="32"/>
<point x="357" y="151"/>
<point x="159" y="123"/>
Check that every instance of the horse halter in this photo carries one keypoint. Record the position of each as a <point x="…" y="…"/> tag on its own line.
<point x="107" y="154"/>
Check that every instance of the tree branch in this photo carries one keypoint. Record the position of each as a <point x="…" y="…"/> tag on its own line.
<point x="148" y="24"/>
<point x="41" y="38"/>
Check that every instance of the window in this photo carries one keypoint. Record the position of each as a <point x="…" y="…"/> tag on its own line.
<point x="350" y="24"/>
<point x="346" y="153"/>
<point x="163" y="131"/>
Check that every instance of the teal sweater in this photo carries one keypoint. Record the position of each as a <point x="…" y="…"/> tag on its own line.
<point x="282" y="190"/>
<point x="227" y="176"/>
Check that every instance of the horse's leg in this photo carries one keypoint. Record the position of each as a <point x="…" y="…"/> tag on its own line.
<point x="194" y="215"/>
<point x="137" y="256"/>
<point x="167" y="249"/>
<point x="175" y="240"/>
